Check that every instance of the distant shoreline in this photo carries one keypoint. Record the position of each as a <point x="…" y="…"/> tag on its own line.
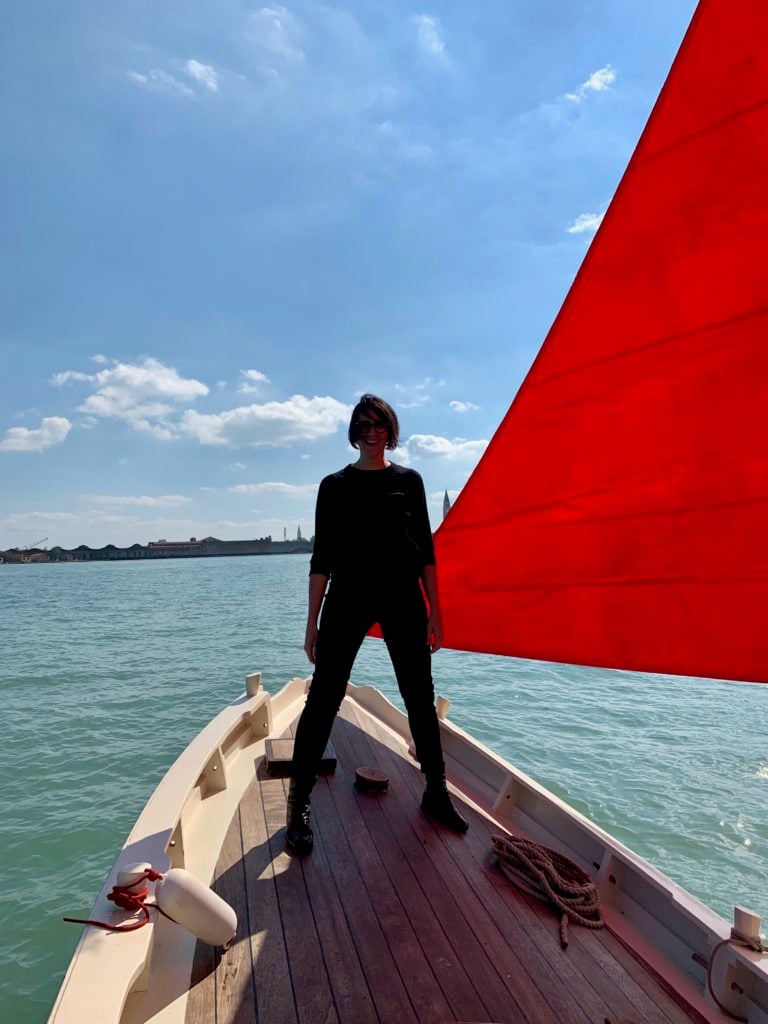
<point x="209" y="547"/>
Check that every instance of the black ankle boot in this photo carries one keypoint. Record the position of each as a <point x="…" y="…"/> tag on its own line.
<point x="437" y="804"/>
<point x="298" y="835"/>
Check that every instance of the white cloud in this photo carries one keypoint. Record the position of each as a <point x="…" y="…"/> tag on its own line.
<point x="204" y="74"/>
<point x="159" y="80"/>
<point x="277" y="32"/>
<point x="137" y="393"/>
<point x="397" y="145"/>
<point x="301" y="491"/>
<point x="144" y="501"/>
<point x="599" y="81"/>
<point x="64" y="378"/>
<point x="463" y="406"/>
<point x="433" y="446"/>
<point x="315" y="68"/>
<point x="586" y="222"/>
<point x="36" y="520"/>
<point x="52" y="430"/>
<point x="401" y="455"/>
<point x="272" y="424"/>
<point x="428" y="36"/>
<point x="412" y="395"/>
<point x="64" y="528"/>
<point x="252" y="382"/>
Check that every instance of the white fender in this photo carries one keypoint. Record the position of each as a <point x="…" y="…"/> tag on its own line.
<point x="133" y="876"/>
<point x="196" y="907"/>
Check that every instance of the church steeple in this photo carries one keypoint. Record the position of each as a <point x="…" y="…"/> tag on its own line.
<point x="446" y="503"/>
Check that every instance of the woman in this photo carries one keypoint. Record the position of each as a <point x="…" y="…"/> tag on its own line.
<point x="373" y="542"/>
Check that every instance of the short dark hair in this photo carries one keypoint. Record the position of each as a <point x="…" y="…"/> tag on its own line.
<point x="378" y="409"/>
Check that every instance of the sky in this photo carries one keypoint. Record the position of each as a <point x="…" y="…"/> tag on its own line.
<point x="223" y="222"/>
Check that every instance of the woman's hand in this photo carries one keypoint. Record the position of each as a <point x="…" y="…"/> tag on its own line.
<point x="434" y="632"/>
<point x="435" y="621"/>
<point x="310" y="641"/>
<point x="317" y="584"/>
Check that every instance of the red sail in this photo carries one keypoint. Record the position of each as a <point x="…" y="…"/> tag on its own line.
<point x="620" y="514"/>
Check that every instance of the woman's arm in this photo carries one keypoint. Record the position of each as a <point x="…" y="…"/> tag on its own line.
<point x="317" y="584"/>
<point x="435" y="620"/>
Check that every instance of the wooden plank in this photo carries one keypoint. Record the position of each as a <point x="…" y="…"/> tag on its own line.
<point x="221" y="981"/>
<point x="381" y="970"/>
<point x="381" y="874"/>
<point x="495" y="968"/>
<point x="201" y="999"/>
<point x="529" y="928"/>
<point x="394" y="920"/>
<point x="507" y="942"/>
<point x="446" y="960"/>
<point x="309" y="976"/>
<point x="615" y="987"/>
<point x="271" y="973"/>
<point x="646" y="988"/>
<point x="351" y="995"/>
<point x="235" y="1002"/>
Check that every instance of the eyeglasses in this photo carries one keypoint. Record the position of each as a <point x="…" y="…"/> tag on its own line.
<point x="365" y="426"/>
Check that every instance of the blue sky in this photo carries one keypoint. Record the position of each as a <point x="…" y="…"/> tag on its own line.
<point x="225" y="221"/>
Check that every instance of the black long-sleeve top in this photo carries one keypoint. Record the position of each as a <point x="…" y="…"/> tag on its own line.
<point x="372" y="524"/>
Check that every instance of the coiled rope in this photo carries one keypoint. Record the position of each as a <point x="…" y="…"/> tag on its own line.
<point x="552" y="878"/>
<point x="129" y="897"/>
<point x="555" y="879"/>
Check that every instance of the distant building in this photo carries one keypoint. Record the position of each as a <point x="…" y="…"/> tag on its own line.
<point x="25" y="555"/>
<point x="298" y="533"/>
<point x="446" y="503"/>
<point x="208" y="547"/>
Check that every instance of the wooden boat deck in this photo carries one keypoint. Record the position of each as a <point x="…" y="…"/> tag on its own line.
<point x="394" y="920"/>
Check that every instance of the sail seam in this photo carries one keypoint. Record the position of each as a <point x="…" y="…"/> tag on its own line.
<point x="667" y="339"/>
<point x="714" y="126"/>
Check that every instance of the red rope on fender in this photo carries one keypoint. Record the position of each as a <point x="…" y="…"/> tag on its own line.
<point x="127" y="898"/>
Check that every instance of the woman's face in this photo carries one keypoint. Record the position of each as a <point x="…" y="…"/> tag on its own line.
<point x="373" y="434"/>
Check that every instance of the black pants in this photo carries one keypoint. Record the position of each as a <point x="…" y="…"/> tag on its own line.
<point x="348" y="613"/>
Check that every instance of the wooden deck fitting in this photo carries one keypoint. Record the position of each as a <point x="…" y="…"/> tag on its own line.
<point x="261" y="719"/>
<point x="214" y="774"/>
<point x="253" y="683"/>
<point x="508" y="795"/>
<point x="176" y="847"/>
